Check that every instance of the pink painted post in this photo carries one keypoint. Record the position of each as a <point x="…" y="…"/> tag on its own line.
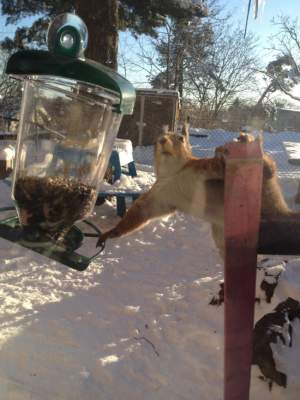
<point x="242" y="217"/>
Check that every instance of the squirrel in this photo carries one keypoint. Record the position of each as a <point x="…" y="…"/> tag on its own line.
<point x="194" y="186"/>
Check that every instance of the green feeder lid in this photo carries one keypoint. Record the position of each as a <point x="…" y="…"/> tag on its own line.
<point x="67" y="40"/>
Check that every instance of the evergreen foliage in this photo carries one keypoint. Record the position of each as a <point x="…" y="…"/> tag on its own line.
<point x="103" y="18"/>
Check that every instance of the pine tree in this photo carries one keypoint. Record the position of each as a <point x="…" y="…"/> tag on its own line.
<point x="103" y="18"/>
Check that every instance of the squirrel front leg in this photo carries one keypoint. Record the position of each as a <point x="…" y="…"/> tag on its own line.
<point x="148" y="206"/>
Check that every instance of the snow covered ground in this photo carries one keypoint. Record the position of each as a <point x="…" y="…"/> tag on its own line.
<point x="137" y="324"/>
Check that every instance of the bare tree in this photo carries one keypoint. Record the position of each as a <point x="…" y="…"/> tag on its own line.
<point x="104" y="19"/>
<point x="164" y="59"/>
<point x="283" y="73"/>
<point x="226" y="72"/>
<point x="138" y="58"/>
<point x="207" y="61"/>
<point x="176" y="50"/>
<point x="10" y="94"/>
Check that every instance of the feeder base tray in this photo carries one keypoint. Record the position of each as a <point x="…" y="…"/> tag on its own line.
<point x="10" y="229"/>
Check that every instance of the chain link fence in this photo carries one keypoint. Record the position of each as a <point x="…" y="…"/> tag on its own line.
<point x="204" y="142"/>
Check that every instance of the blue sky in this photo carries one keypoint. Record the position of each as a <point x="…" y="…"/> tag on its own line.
<point x="262" y="27"/>
<point x="270" y="9"/>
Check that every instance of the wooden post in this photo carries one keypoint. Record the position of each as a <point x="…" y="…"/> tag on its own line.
<point x="141" y="124"/>
<point x="280" y="235"/>
<point x="241" y="218"/>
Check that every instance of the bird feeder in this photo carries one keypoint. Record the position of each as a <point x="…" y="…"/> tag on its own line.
<point x="70" y="115"/>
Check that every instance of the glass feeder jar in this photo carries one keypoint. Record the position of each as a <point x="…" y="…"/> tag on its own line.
<point x="70" y="115"/>
<point x="65" y="138"/>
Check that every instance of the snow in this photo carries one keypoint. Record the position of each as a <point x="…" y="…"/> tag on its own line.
<point x="124" y="148"/>
<point x="137" y="323"/>
<point x="126" y="183"/>
<point x="293" y="151"/>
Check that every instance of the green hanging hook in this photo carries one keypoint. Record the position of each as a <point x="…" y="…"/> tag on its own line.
<point x="68" y="35"/>
<point x="67" y="40"/>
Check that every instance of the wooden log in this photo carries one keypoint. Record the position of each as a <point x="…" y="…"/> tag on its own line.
<point x="241" y="225"/>
<point x="280" y="235"/>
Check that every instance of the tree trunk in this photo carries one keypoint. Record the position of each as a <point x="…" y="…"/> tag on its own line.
<point x="180" y="79"/>
<point x="101" y="19"/>
<point x="266" y="91"/>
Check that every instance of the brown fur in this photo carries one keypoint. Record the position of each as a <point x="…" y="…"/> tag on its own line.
<point x="273" y="203"/>
<point x="194" y="186"/>
<point x="186" y="131"/>
<point x="170" y="154"/>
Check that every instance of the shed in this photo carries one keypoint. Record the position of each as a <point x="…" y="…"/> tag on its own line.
<point x="287" y="119"/>
<point x="154" y="111"/>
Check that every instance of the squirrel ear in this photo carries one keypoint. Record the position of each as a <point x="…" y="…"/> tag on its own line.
<point x="260" y="139"/>
<point x="186" y="127"/>
<point x="246" y="137"/>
